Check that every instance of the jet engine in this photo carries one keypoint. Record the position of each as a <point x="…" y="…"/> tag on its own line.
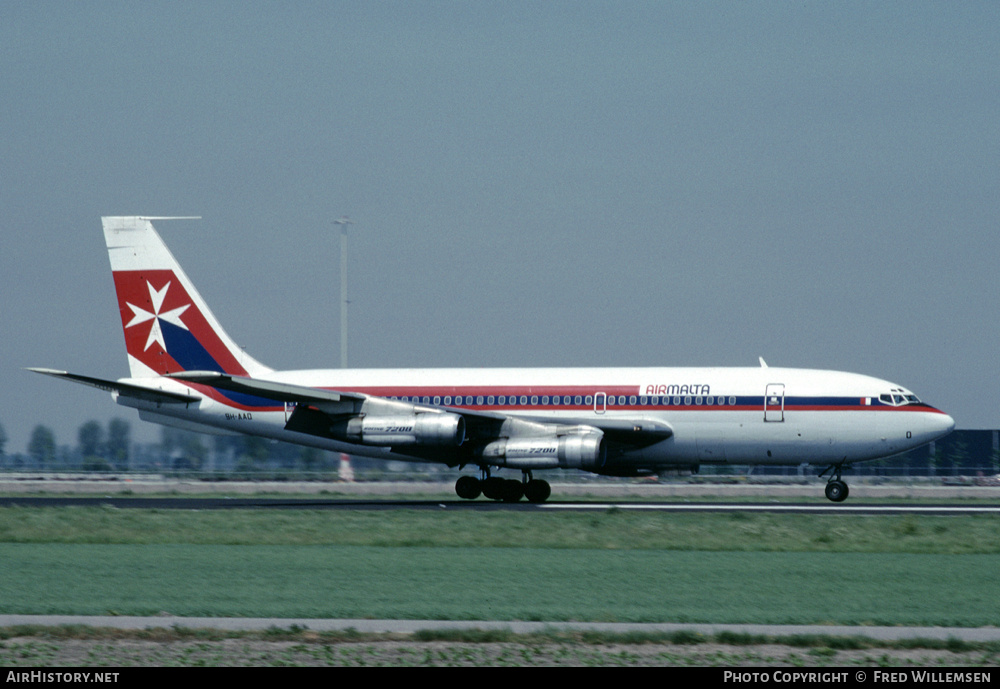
<point x="576" y="450"/>
<point x="406" y="429"/>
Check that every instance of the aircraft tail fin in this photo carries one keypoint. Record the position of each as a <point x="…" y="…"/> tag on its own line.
<point x="168" y="327"/>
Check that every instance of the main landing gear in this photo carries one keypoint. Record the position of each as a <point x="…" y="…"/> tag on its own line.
<point x="507" y="490"/>
<point x="836" y="490"/>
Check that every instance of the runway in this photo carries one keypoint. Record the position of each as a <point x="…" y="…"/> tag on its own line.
<point x="820" y="506"/>
<point x="368" y="626"/>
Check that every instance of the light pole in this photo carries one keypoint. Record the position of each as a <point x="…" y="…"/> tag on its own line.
<point x="343" y="222"/>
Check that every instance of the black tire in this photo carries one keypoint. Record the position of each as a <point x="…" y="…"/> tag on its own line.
<point x="468" y="487"/>
<point x="537" y="490"/>
<point x="513" y="490"/>
<point x="493" y="488"/>
<point x="836" y="491"/>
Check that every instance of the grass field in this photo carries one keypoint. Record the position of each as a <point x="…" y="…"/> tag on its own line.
<point x="615" y="565"/>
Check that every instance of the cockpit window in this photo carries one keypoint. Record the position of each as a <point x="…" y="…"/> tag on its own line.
<point x="898" y="398"/>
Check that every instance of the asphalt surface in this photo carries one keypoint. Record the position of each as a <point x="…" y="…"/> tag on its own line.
<point x="517" y="627"/>
<point x="819" y="506"/>
<point x="138" y="484"/>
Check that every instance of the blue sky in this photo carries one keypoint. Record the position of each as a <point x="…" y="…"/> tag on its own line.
<point x="532" y="184"/>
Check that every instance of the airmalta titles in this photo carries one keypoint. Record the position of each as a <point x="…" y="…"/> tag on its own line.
<point x="695" y="389"/>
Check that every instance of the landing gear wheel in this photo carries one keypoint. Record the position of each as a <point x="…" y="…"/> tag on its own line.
<point x="537" y="490"/>
<point x="837" y="491"/>
<point x="513" y="490"/>
<point x="493" y="488"/>
<point x="468" y="487"/>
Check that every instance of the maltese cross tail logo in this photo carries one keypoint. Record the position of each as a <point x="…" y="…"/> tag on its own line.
<point x="155" y="331"/>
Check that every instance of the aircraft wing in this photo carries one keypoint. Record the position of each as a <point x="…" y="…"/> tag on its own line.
<point x="637" y="432"/>
<point x="123" y="389"/>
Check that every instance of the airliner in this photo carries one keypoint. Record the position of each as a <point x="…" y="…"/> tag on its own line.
<point x="187" y="372"/>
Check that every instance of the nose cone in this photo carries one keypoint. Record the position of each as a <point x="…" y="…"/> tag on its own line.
<point x="944" y="425"/>
<point x="924" y="427"/>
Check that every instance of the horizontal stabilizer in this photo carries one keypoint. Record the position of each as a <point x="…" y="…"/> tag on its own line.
<point x="283" y="392"/>
<point x="124" y="389"/>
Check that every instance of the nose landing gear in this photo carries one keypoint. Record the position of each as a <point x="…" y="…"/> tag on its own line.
<point x="836" y="490"/>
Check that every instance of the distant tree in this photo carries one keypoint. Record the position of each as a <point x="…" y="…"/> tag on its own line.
<point x="284" y="455"/>
<point x="119" y="440"/>
<point x="253" y="453"/>
<point x="3" y="441"/>
<point x="184" y="449"/>
<point x="311" y="458"/>
<point x="91" y="440"/>
<point x="221" y="449"/>
<point x="42" y="446"/>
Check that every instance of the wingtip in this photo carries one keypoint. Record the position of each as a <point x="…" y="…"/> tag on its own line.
<point x="46" y="371"/>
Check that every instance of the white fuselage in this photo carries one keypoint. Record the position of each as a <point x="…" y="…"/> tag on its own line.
<point x="717" y="415"/>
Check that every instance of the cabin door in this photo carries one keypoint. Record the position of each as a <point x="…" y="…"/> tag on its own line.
<point x="774" y="402"/>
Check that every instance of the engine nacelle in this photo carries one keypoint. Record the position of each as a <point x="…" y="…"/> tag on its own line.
<point x="406" y="429"/>
<point x="572" y="451"/>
